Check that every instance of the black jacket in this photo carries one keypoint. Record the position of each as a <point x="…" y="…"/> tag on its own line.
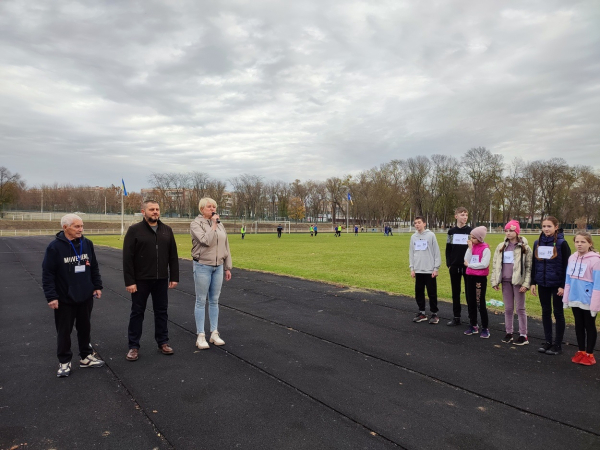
<point x="148" y="255"/>
<point x="455" y="253"/>
<point x="59" y="279"/>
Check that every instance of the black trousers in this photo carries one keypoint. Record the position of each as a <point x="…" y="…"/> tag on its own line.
<point x="549" y="300"/>
<point x="585" y="324"/>
<point x="476" y="287"/>
<point x="67" y="315"/>
<point x="457" y="275"/>
<point x="160" y="301"/>
<point x="422" y="281"/>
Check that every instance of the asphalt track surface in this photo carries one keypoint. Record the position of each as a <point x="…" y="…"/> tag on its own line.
<point x="306" y="366"/>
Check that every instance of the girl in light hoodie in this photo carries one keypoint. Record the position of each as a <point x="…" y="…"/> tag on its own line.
<point x="582" y="295"/>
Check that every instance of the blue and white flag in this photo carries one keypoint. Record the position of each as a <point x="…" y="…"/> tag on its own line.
<point x="350" y="199"/>
<point x="124" y="190"/>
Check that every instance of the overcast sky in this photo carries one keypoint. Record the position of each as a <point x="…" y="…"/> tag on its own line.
<point x="98" y="90"/>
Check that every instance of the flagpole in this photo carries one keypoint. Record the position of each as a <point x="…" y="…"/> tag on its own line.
<point x="347" y="211"/>
<point x="122" y="213"/>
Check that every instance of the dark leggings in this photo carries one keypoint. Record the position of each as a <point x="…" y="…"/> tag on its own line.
<point x="476" y="287"/>
<point x="585" y="324"/>
<point x="549" y="299"/>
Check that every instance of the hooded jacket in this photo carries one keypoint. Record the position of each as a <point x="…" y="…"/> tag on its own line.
<point x="427" y="260"/>
<point x="455" y="252"/>
<point x="59" y="279"/>
<point x="582" y="286"/>
<point x="523" y="257"/>
<point x="148" y="255"/>
<point x="210" y="247"/>
<point x="551" y="272"/>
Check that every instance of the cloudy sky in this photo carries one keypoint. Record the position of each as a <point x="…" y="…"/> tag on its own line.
<point x="98" y="90"/>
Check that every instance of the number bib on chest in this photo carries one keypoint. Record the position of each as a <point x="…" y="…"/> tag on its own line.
<point x="474" y="259"/>
<point x="420" y="245"/>
<point x="545" y="252"/>
<point x="509" y="258"/>
<point x="460" y="239"/>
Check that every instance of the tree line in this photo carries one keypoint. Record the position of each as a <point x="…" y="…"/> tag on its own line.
<point x="395" y="191"/>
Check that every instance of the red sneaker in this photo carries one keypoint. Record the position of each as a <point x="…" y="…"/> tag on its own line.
<point x="588" y="360"/>
<point x="578" y="357"/>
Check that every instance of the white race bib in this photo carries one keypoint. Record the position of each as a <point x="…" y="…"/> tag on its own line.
<point x="460" y="239"/>
<point x="545" y="252"/>
<point x="420" y="245"/>
<point x="577" y="269"/>
<point x="509" y="258"/>
<point x="474" y="259"/>
<point x="80" y="268"/>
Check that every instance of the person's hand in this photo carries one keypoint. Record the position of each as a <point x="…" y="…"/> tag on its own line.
<point x="470" y="243"/>
<point x="214" y="218"/>
<point x="466" y="264"/>
<point x="534" y="292"/>
<point x="131" y="289"/>
<point x="172" y="284"/>
<point x="496" y="288"/>
<point x="560" y="292"/>
<point x="97" y="293"/>
<point x="434" y="274"/>
<point x="523" y="289"/>
<point x="227" y="275"/>
<point x="412" y="273"/>
<point x="53" y="304"/>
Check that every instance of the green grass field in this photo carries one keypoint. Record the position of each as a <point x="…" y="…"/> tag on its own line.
<point x="369" y="261"/>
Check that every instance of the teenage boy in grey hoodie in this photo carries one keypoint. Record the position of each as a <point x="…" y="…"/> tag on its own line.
<point x="424" y="261"/>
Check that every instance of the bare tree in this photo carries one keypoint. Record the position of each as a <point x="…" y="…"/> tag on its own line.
<point x="10" y="185"/>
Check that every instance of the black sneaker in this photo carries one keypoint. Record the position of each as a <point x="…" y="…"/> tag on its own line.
<point x="545" y="347"/>
<point x="420" y="317"/>
<point x="522" y="341"/>
<point x="434" y="319"/>
<point x="508" y="338"/>
<point x="554" y="350"/>
<point x="454" y="322"/>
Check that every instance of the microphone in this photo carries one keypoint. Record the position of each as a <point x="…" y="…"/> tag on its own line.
<point x="218" y="221"/>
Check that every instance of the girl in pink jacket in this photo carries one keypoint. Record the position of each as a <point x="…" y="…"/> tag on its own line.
<point x="582" y="294"/>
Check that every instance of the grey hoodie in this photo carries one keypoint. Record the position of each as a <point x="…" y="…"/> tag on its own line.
<point x="427" y="260"/>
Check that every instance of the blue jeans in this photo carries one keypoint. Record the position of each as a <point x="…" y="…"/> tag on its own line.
<point x="208" y="281"/>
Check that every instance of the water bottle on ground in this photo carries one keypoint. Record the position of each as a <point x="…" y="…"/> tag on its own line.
<point x="494" y="302"/>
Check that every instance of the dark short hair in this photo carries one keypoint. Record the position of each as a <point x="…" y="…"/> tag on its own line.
<point x="460" y="209"/>
<point x="421" y="218"/>
<point x="145" y="202"/>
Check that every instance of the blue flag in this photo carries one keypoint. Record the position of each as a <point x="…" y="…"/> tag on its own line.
<point x="350" y="199"/>
<point x="124" y="190"/>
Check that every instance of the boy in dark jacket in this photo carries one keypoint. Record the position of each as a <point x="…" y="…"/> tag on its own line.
<point x="71" y="280"/>
<point x="456" y="247"/>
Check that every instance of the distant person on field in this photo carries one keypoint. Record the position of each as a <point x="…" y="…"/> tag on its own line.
<point x="550" y="259"/>
<point x="477" y="261"/>
<point x="212" y="263"/>
<point x="456" y="247"/>
<point x="312" y="231"/>
<point x="315" y="227"/>
<point x="279" y="230"/>
<point x="71" y="280"/>
<point x="511" y="268"/>
<point x="150" y="267"/>
<point x="424" y="261"/>
<point x="582" y="295"/>
<point x="243" y="231"/>
<point x="390" y="230"/>
<point x="339" y="230"/>
<point x="355" y="230"/>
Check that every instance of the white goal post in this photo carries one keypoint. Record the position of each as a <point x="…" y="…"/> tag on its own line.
<point x="286" y="224"/>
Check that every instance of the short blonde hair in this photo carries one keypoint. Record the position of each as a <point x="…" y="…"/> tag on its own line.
<point x="205" y="201"/>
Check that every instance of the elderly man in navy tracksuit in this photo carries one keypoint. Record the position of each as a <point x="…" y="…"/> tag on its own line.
<point x="71" y="280"/>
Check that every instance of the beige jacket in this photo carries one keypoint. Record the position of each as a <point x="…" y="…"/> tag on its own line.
<point x="521" y="276"/>
<point x="210" y="247"/>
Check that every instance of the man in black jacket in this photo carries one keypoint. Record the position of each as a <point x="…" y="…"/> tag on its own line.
<point x="71" y="280"/>
<point x="150" y="266"/>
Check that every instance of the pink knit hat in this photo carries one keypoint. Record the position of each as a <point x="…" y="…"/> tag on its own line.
<point x="479" y="233"/>
<point x="513" y="225"/>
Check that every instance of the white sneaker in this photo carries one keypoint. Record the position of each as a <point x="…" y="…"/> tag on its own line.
<point x="64" y="370"/>
<point x="201" y="342"/>
<point x="215" y="338"/>
<point x="91" y="361"/>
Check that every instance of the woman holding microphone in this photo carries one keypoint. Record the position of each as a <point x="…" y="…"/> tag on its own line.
<point x="212" y="262"/>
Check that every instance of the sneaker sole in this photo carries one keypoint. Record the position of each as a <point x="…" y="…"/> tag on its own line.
<point x="63" y="376"/>
<point x="484" y="337"/>
<point x="419" y="321"/>
<point x="506" y="342"/>
<point x="521" y="343"/>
